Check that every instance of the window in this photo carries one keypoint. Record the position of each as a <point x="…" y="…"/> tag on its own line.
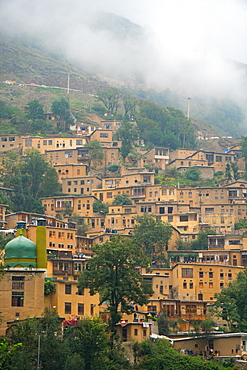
<point x="162" y="210"/>
<point x="80" y="308"/>
<point x="184" y="285"/>
<point x="200" y="284"/>
<point x="191" y="285"/>
<point x="161" y="289"/>
<point x="171" y="191"/>
<point x="109" y="195"/>
<point x="92" y="309"/>
<point x="200" y="297"/>
<point x="67" y="308"/>
<point x="230" y="276"/>
<point x="152" y="309"/>
<point x="218" y="158"/>
<point x="17" y="299"/>
<point x="144" y="332"/>
<point x="170" y="219"/>
<point x="82" y="182"/>
<point x="221" y="285"/>
<point x="18" y="285"/>
<point x="187" y="273"/>
<point x="211" y="284"/>
<point x="221" y="275"/>
<point x="67" y="288"/>
<point x="190" y="308"/>
<point x="209" y="210"/>
<point x="135" y="331"/>
<point x="211" y="275"/>
<point x="170" y="209"/>
<point x="184" y="218"/>
<point x="103" y="134"/>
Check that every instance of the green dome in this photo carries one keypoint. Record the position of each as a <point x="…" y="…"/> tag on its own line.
<point x="20" y="250"/>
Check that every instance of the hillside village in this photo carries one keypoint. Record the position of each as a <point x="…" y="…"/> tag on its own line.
<point x="91" y="209"/>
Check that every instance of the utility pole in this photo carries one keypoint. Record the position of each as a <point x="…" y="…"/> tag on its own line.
<point x="188" y="109"/>
<point x="38" y="367"/>
<point x="68" y="85"/>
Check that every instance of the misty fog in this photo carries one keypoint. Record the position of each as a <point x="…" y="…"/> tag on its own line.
<point x="188" y="46"/>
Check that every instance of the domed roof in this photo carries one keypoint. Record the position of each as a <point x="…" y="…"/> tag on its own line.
<point x="20" y="248"/>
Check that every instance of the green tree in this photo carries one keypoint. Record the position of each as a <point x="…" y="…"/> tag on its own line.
<point x="34" y="110"/>
<point x="89" y="340"/>
<point x="163" y="323"/>
<point x="6" y="352"/>
<point x="122" y="200"/>
<point x="127" y="133"/>
<point x="96" y="153"/>
<point x="152" y="235"/>
<point x="114" y="274"/>
<point x="34" y="178"/>
<point x="228" y="172"/>
<point x="129" y="106"/>
<point x="202" y="240"/>
<point x="162" y="356"/>
<point x="60" y="107"/>
<point x="31" y="332"/>
<point x="244" y="152"/>
<point x="231" y="303"/>
<point x="100" y="207"/>
<point x="193" y="174"/>
<point x="235" y="170"/>
<point x="110" y="99"/>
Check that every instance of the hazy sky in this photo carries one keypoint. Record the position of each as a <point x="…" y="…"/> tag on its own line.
<point x="187" y="46"/>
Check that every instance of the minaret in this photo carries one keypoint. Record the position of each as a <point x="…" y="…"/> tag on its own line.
<point x="41" y="243"/>
<point x="21" y="228"/>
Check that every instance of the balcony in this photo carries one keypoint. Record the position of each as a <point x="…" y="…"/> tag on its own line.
<point x="62" y="272"/>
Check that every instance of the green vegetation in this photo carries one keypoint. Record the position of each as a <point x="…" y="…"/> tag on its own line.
<point x="231" y="304"/>
<point x="30" y="177"/>
<point x="201" y="243"/>
<point x="60" y="107"/>
<point x="49" y="287"/>
<point x="152" y="236"/>
<point x="114" y="274"/>
<point x="100" y="207"/>
<point x="162" y="356"/>
<point x="96" y="153"/>
<point x="122" y="200"/>
<point x="128" y="135"/>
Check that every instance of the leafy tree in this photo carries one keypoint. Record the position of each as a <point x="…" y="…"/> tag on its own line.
<point x="163" y="323"/>
<point x="162" y="356"/>
<point x="231" y="303"/>
<point x="241" y="224"/>
<point x="244" y="152"/>
<point x="122" y="200"/>
<point x="202" y="240"/>
<point x="114" y="274"/>
<point x="235" y="170"/>
<point x="193" y="174"/>
<point x="35" y="110"/>
<point x="60" y="107"/>
<point x="129" y="106"/>
<point x="152" y="235"/>
<point x="96" y="153"/>
<point x="49" y="287"/>
<point x="34" y="178"/>
<point x="53" y="350"/>
<point x="6" y="352"/>
<point x="228" y="173"/>
<point x="89" y="340"/>
<point x="109" y="98"/>
<point x="100" y="207"/>
<point x="127" y="133"/>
